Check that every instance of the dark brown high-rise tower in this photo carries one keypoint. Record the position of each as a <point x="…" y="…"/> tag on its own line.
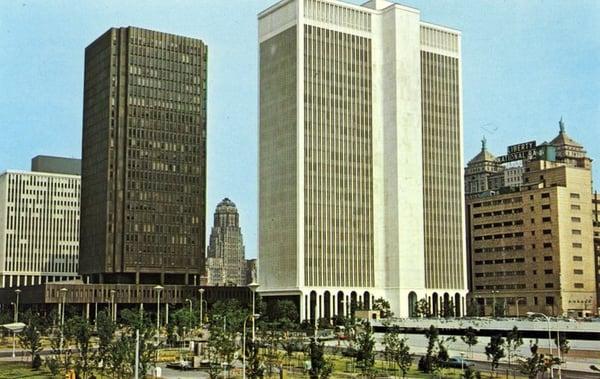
<point x="143" y="186"/>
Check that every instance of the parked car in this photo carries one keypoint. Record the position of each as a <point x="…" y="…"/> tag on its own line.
<point x="457" y="362"/>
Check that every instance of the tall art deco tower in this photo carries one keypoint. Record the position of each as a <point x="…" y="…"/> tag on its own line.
<point x="144" y="158"/>
<point x="360" y="177"/>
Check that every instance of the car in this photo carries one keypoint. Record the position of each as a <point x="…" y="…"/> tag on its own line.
<point x="458" y="362"/>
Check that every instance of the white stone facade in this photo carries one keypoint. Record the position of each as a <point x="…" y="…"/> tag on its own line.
<point x="341" y="178"/>
<point x="39" y="228"/>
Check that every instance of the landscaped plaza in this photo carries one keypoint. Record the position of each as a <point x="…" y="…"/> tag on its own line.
<point x="230" y="342"/>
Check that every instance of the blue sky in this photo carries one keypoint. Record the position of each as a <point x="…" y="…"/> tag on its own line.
<point x="525" y="64"/>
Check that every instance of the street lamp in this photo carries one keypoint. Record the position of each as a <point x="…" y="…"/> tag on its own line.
<point x="254" y="316"/>
<point x="253" y="287"/>
<point x="113" y="315"/>
<point x="494" y="302"/>
<point x="63" y="292"/>
<point x="158" y="290"/>
<point x="201" y="291"/>
<point x="190" y="315"/>
<point x="549" y="336"/>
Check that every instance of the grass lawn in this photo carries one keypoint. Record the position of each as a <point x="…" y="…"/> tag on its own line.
<point x="22" y="370"/>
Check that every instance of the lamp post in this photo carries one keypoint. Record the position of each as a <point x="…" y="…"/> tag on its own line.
<point x="16" y="318"/>
<point x="549" y="335"/>
<point x="158" y="290"/>
<point x="63" y="292"/>
<point x="112" y="305"/>
<point x="244" y="345"/>
<point x="253" y="287"/>
<point x="190" y="315"/>
<point x="201" y="291"/>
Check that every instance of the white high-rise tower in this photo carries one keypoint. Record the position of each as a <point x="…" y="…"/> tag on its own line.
<point x="360" y="174"/>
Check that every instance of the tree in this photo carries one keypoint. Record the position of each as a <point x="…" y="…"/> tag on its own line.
<point x="320" y="368"/>
<point x="81" y="330"/>
<point x="133" y="321"/>
<point x="470" y="338"/>
<point x="513" y="343"/>
<point x="384" y="308"/>
<point x="534" y="364"/>
<point x="285" y="314"/>
<point x="473" y="308"/>
<point x="427" y="363"/>
<point x="422" y="308"/>
<point x="254" y="366"/>
<point x="563" y="344"/>
<point x="106" y="328"/>
<point x="397" y="350"/>
<point x="230" y="313"/>
<point x="221" y="344"/>
<point x="495" y="350"/>
<point x="448" y="308"/>
<point x="365" y="355"/>
<point x="30" y="337"/>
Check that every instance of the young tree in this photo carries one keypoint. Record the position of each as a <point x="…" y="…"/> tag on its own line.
<point x="470" y="338"/>
<point x="427" y="363"/>
<point x="81" y="330"/>
<point x="513" y="343"/>
<point x="534" y="364"/>
<point x="254" y="365"/>
<point x="30" y="337"/>
<point x="448" y="309"/>
<point x="138" y="320"/>
<point x="563" y="345"/>
<point x="397" y="350"/>
<point x="384" y="308"/>
<point x="495" y="350"/>
<point x="285" y="314"/>
<point x="365" y="355"/>
<point x="422" y="309"/>
<point x="320" y="368"/>
<point x="473" y="308"/>
<point x="106" y="328"/>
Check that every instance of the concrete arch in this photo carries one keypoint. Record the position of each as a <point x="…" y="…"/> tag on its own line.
<point x="412" y="304"/>
<point x="367" y="300"/>
<point x="434" y="304"/>
<point x="446" y="309"/>
<point x="313" y="305"/>
<point x="457" y="305"/>
<point x="327" y="305"/>
<point x="341" y="310"/>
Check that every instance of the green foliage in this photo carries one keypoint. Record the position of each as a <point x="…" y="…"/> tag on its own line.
<point x="137" y="320"/>
<point x="495" y="350"/>
<point x="320" y="368"/>
<point x="383" y="306"/>
<point x="285" y="314"/>
<point x="470" y="338"/>
<point x="422" y="308"/>
<point x="365" y="354"/>
<point x="473" y="308"/>
<point x="81" y="331"/>
<point x="254" y="365"/>
<point x="513" y="343"/>
<point x="53" y="365"/>
<point x="230" y="313"/>
<point x="30" y="337"/>
<point x="448" y="309"/>
<point x="563" y="344"/>
<point x="397" y="350"/>
<point x="533" y="365"/>
<point x="36" y="362"/>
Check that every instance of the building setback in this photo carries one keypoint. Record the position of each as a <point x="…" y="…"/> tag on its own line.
<point x="360" y="179"/>
<point x="144" y="158"/>
<point x="39" y="223"/>
<point x="225" y="261"/>
<point x="531" y="246"/>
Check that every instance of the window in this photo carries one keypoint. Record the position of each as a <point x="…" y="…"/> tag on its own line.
<point x="534" y="272"/>
<point x="577" y="245"/>
<point x="549" y="285"/>
<point x="548" y="258"/>
<point x="576" y="219"/>
<point x="545" y="195"/>
<point x="575" y="207"/>
<point x="548" y="272"/>
<point x="547" y="245"/>
<point x="574" y="195"/>
<point x="546" y="206"/>
<point x="547" y="231"/>
<point x="576" y="231"/>
<point x="577" y="258"/>
<point x="533" y="221"/>
<point x="530" y="197"/>
<point x="535" y="300"/>
<point x="578" y="285"/>
<point x="546" y="219"/>
<point x="549" y="300"/>
<point x="578" y="272"/>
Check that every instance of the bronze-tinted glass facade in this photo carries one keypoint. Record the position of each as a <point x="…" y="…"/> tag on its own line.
<point x="144" y="158"/>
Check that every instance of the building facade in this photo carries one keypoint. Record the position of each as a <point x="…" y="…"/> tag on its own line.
<point x="358" y="173"/>
<point x="531" y="247"/>
<point x="39" y="223"/>
<point x="596" y="226"/>
<point x="144" y="158"/>
<point x="225" y="259"/>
